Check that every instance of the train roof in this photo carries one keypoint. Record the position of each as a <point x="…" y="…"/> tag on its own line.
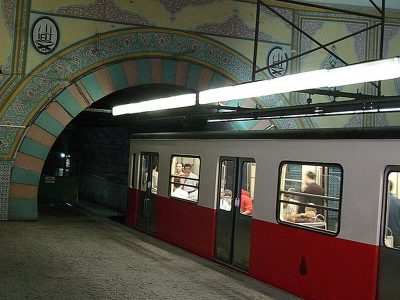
<point x="326" y="133"/>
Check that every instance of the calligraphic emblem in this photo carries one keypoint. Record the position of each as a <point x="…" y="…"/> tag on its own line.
<point x="276" y="59"/>
<point x="45" y="35"/>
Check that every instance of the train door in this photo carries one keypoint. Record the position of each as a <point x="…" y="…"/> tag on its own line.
<point x="148" y="190"/>
<point x="389" y="254"/>
<point x="234" y="211"/>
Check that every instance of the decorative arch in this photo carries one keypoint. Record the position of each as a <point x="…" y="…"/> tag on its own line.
<point x="98" y="67"/>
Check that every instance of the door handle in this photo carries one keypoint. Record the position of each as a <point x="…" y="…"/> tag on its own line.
<point x="236" y="202"/>
<point x="145" y="204"/>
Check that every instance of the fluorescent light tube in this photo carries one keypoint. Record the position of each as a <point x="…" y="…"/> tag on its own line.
<point x="358" y="73"/>
<point x="393" y="109"/>
<point x="156" y="104"/>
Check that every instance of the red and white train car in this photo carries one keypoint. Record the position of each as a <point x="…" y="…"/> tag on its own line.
<point x="314" y="213"/>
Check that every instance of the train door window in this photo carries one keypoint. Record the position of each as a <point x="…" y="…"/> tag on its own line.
<point x="154" y="175"/>
<point x="144" y="172"/>
<point x="392" y="228"/>
<point x="247" y="188"/>
<point x="226" y="183"/>
<point x="309" y="196"/>
<point x="185" y="177"/>
<point x="148" y="167"/>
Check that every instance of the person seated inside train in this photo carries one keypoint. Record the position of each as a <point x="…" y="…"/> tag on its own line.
<point x="246" y="203"/>
<point x="288" y="209"/>
<point x="179" y="172"/>
<point x="178" y="191"/>
<point x="191" y="181"/>
<point x="154" y="178"/>
<point x="308" y="216"/>
<point x="312" y="187"/>
<point x="226" y="200"/>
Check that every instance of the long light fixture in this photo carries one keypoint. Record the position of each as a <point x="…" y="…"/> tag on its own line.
<point x="353" y="74"/>
<point x="156" y="104"/>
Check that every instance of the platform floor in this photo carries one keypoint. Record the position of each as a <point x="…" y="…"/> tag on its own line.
<point x="74" y="253"/>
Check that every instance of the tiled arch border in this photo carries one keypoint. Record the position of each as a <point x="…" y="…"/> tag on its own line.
<point x="50" y="122"/>
<point x="214" y="66"/>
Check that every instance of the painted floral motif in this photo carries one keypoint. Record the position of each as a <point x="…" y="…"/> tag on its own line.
<point x="380" y="120"/>
<point x="390" y="32"/>
<point x="233" y="27"/>
<point x="355" y="121"/>
<point x="286" y="13"/>
<point x="105" y="10"/>
<point x="360" y="39"/>
<point x="8" y="8"/>
<point x="174" y="6"/>
<point x="5" y="175"/>
<point x="310" y="27"/>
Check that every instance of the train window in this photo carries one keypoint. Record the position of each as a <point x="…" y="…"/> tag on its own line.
<point x="392" y="229"/>
<point x="309" y="196"/>
<point x="144" y="172"/>
<point x="227" y="183"/>
<point x="248" y="179"/>
<point x="184" y="177"/>
<point x="149" y="172"/>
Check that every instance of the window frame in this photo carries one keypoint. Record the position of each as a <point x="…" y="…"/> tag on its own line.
<point x="279" y="192"/>
<point x="170" y="176"/>
<point x="140" y="169"/>
<point x="385" y="211"/>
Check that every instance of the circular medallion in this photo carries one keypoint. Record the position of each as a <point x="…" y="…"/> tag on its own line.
<point x="45" y="35"/>
<point x="275" y="59"/>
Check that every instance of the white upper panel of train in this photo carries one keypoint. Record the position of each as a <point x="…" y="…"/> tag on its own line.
<point x="363" y="164"/>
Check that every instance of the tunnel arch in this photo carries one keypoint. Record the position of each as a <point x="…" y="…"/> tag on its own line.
<point x="98" y="69"/>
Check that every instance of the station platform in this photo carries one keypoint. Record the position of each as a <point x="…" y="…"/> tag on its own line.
<point x="81" y="253"/>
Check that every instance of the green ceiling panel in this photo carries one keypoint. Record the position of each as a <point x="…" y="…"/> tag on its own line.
<point x="144" y="71"/>
<point x="25" y="176"/>
<point x="69" y="103"/>
<point x="34" y="148"/>
<point x="50" y="124"/>
<point x="118" y="77"/>
<point x="93" y="87"/>
<point x="169" y="71"/>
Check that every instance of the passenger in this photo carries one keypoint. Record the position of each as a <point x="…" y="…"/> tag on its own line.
<point x="288" y="209"/>
<point x="313" y="188"/>
<point x="246" y="203"/>
<point x="154" y="178"/>
<point x="394" y="216"/>
<point x="226" y="200"/>
<point x="309" y="216"/>
<point x="191" y="181"/>
<point x="179" y="172"/>
<point x="179" y="192"/>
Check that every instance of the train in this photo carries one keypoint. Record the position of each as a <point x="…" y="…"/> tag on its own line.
<point x="315" y="213"/>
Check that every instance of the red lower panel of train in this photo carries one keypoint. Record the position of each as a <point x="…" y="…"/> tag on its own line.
<point x="308" y="264"/>
<point x="312" y="265"/>
<point x="132" y="206"/>
<point x="186" y="225"/>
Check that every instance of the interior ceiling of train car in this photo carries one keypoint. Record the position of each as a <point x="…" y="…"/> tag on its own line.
<point x="198" y="117"/>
